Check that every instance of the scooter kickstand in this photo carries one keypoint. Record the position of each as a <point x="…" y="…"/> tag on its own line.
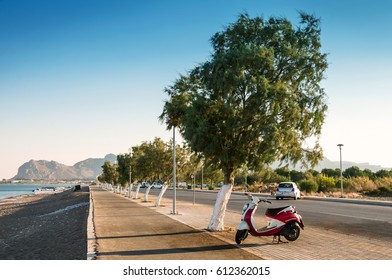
<point x="279" y="240"/>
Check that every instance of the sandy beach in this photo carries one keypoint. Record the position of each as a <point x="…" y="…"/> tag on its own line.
<point x="45" y="226"/>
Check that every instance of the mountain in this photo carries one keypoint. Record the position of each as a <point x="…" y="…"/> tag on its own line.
<point x="52" y="170"/>
<point x="326" y="163"/>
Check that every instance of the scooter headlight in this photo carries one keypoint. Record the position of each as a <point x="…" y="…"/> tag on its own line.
<point x="245" y="207"/>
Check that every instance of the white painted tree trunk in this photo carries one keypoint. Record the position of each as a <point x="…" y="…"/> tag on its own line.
<point x="137" y="191"/>
<point x="130" y="190"/>
<point x="146" y="193"/>
<point x="218" y="215"/>
<point x="163" y="190"/>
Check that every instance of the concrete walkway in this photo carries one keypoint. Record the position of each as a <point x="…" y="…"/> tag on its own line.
<point x="122" y="229"/>
<point x="131" y="229"/>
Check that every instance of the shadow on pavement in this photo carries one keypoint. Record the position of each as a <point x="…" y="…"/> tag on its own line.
<point x="151" y="235"/>
<point x="175" y="250"/>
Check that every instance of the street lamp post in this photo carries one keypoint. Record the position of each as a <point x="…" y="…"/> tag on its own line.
<point x="130" y="183"/>
<point x="174" y="173"/>
<point x="194" y="186"/>
<point x="130" y="175"/>
<point x="202" y="167"/>
<point x="341" y="169"/>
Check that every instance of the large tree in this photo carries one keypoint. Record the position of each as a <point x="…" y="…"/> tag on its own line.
<point x="257" y="99"/>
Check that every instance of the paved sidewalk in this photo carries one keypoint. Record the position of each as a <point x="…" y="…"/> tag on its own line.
<point x="122" y="229"/>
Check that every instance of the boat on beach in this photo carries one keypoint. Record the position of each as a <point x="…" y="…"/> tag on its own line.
<point x="49" y="190"/>
<point x="44" y="190"/>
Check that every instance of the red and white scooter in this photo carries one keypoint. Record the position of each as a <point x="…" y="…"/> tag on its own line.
<point x="280" y="221"/>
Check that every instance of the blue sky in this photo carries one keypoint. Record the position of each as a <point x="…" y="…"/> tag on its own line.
<point x="81" y="79"/>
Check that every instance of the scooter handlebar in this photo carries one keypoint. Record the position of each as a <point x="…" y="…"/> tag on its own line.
<point x="264" y="200"/>
<point x="260" y="200"/>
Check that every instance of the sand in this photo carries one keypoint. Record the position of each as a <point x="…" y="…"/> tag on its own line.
<point x="44" y="226"/>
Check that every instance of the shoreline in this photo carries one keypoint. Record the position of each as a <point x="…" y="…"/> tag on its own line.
<point x="44" y="226"/>
<point x="20" y="190"/>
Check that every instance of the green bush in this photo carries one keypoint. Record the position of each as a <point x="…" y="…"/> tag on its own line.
<point x="382" y="191"/>
<point x="326" y="183"/>
<point x="308" y="185"/>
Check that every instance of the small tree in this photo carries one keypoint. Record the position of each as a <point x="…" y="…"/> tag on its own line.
<point x="123" y="168"/>
<point x="353" y="171"/>
<point x="109" y="173"/>
<point x="283" y="171"/>
<point x="296" y="175"/>
<point x="383" y="173"/>
<point x="152" y="160"/>
<point x="331" y="172"/>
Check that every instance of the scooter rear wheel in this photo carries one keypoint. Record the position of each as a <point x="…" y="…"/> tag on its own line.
<point x="292" y="232"/>
<point x="241" y="235"/>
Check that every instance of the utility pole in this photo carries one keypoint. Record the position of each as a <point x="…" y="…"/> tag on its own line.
<point x="174" y="173"/>
<point x="341" y="170"/>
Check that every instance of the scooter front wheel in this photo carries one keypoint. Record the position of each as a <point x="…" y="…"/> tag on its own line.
<point x="292" y="232"/>
<point x="241" y="235"/>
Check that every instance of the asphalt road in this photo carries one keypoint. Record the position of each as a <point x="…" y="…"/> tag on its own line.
<point x="358" y="219"/>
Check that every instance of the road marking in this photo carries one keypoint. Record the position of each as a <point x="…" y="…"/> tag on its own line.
<point x="355" y="217"/>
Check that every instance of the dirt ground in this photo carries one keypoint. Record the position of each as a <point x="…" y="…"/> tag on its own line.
<point x="45" y="226"/>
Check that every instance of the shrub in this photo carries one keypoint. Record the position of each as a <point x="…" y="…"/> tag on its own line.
<point x="326" y="183"/>
<point x="382" y="191"/>
<point x="360" y="184"/>
<point x="308" y="185"/>
<point x="385" y="182"/>
<point x="252" y="188"/>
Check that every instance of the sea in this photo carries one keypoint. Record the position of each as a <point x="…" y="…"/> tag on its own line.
<point x="12" y="190"/>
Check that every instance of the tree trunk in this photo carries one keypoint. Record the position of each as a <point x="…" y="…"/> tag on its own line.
<point x="163" y="190"/>
<point x="218" y="215"/>
<point x="137" y="191"/>
<point x="146" y="193"/>
<point x="130" y="190"/>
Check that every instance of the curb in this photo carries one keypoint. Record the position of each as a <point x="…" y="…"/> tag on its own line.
<point x="91" y="237"/>
<point x="352" y="201"/>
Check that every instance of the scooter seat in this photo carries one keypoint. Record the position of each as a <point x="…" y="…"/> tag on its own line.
<point x="274" y="211"/>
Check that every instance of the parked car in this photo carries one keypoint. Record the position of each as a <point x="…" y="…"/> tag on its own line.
<point x="182" y="185"/>
<point x="145" y="185"/>
<point x="287" y="190"/>
<point x="156" y="186"/>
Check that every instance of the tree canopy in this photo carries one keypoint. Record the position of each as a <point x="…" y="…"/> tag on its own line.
<point x="257" y="99"/>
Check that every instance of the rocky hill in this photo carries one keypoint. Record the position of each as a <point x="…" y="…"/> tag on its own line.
<point x="52" y="170"/>
<point x="326" y="163"/>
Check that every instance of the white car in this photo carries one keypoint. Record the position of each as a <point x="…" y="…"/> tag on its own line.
<point x="156" y="186"/>
<point x="287" y="190"/>
<point x="144" y="185"/>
